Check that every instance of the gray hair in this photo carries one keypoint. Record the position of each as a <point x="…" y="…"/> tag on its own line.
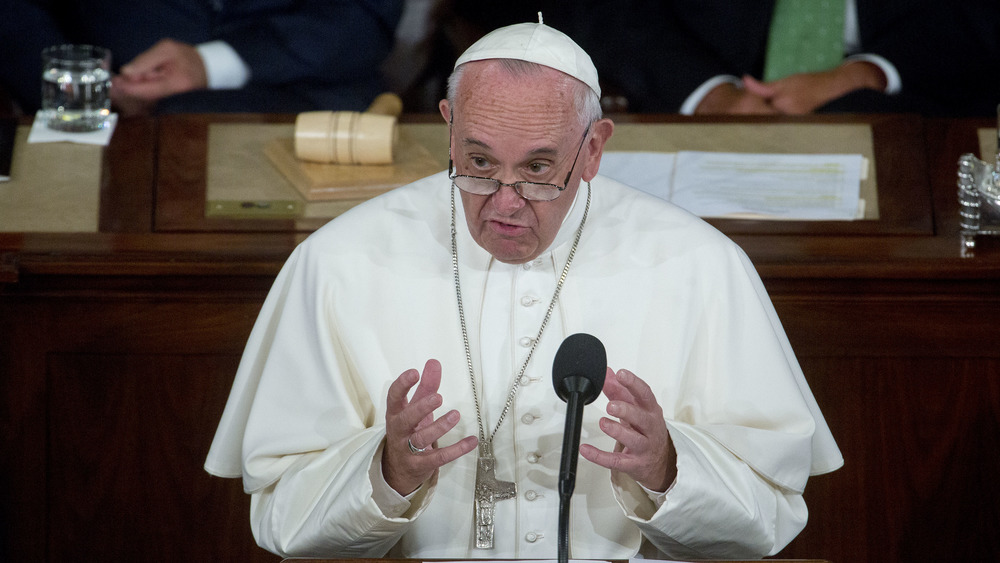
<point x="586" y="101"/>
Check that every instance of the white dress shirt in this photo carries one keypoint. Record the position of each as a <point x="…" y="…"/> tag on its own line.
<point x="224" y="67"/>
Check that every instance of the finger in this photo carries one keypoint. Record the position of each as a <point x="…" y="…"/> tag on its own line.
<point x="634" y="453"/>
<point x="415" y="416"/>
<point x="396" y="397"/>
<point x="430" y="380"/>
<point x="636" y="409"/>
<point x="443" y="456"/>
<point x="614" y="390"/>
<point x="640" y="392"/>
<point x="425" y="435"/>
<point x="146" y="66"/>
<point x="613" y="461"/>
<point x="656" y="477"/>
<point x="756" y="87"/>
<point x="644" y="421"/>
<point x="405" y="471"/>
<point x="630" y="437"/>
<point x="145" y="91"/>
<point x="619" y="399"/>
<point x="152" y="59"/>
<point x="404" y="416"/>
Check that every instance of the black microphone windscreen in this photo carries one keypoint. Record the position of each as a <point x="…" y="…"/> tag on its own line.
<point x="580" y="356"/>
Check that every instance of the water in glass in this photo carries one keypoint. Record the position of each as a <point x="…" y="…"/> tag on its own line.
<point x="76" y="87"/>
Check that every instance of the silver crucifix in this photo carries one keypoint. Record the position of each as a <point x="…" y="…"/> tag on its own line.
<point x="488" y="491"/>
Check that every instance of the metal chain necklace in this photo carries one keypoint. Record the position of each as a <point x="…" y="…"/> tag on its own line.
<point x="488" y="488"/>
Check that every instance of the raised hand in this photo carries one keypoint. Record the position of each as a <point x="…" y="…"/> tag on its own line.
<point x="411" y="454"/>
<point x="643" y="449"/>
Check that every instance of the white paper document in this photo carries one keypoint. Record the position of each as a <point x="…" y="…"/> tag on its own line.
<point x="764" y="186"/>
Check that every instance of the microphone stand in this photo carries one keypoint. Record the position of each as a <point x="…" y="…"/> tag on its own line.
<point x="578" y="377"/>
<point x="579" y="387"/>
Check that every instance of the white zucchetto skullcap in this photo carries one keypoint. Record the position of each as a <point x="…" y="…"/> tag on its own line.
<point x="535" y="43"/>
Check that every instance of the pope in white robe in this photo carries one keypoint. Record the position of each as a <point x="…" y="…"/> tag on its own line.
<point x="372" y="295"/>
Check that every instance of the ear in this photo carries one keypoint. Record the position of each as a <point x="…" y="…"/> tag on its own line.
<point x="445" y="110"/>
<point x="600" y="132"/>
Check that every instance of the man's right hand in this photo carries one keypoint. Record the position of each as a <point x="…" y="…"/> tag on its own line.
<point x="411" y="421"/>
<point x="169" y="67"/>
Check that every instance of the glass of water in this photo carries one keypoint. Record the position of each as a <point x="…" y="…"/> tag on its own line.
<point x="76" y="87"/>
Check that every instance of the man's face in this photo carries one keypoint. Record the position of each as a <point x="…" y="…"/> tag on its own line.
<point x="522" y="128"/>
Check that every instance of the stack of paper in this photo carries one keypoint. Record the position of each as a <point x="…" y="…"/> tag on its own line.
<point x="764" y="186"/>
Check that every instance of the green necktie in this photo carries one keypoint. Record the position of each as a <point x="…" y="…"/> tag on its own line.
<point x="806" y="36"/>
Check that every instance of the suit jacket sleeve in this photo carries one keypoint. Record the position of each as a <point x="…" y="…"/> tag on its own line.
<point x="941" y="50"/>
<point x="25" y="29"/>
<point x="325" y="41"/>
<point x="658" y="53"/>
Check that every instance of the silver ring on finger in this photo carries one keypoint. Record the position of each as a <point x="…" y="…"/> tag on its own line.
<point x="414" y="449"/>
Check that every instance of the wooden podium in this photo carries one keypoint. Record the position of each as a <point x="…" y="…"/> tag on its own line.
<point x="308" y="560"/>
<point x="118" y="347"/>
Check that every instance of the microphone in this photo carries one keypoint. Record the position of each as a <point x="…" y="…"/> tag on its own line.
<point x="578" y="377"/>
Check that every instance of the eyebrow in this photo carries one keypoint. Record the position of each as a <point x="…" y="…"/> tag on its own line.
<point x="535" y="152"/>
<point x="467" y="141"/>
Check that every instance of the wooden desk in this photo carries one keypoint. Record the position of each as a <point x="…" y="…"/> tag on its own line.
<point x="118" y="348"/>
<point x="305" y="560"/>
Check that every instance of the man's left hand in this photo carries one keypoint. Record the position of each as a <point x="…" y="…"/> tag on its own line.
<point x="643" y="449"/>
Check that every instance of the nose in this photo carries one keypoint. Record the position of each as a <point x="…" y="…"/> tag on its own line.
<point x="506" y="200"/>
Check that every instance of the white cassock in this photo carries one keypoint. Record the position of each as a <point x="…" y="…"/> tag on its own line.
<point x="372" y="294"/>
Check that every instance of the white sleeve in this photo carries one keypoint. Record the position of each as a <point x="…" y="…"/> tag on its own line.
<point x="691" y="102"/>
<point x="224" y="67"/>
<point x="893" y="83"/>
<point x="743" y="425"/>
<point x="308" y="442"/>
<point x="713" y="486"/>
<point x="330" y="503"/>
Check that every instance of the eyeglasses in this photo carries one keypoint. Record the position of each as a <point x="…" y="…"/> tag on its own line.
<point x="534" y="191"/>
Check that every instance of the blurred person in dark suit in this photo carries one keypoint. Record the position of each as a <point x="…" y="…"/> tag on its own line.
<point x="210" y="56"/>
<point x="708" y="56"/>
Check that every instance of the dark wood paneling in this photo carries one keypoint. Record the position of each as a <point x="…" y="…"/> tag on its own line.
<point x="110" y="404"/>
<point x="128" y="435"/>
<point x="22" y="434"/>
<point x="919" y="436"/>
<point x="830" y="321"/>
<point x="126" y="192"/>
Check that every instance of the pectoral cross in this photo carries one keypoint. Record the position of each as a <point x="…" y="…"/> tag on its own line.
<point x="488" y="491"/>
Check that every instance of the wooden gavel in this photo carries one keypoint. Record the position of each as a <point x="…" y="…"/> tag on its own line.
<point x="349" y="137"/>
